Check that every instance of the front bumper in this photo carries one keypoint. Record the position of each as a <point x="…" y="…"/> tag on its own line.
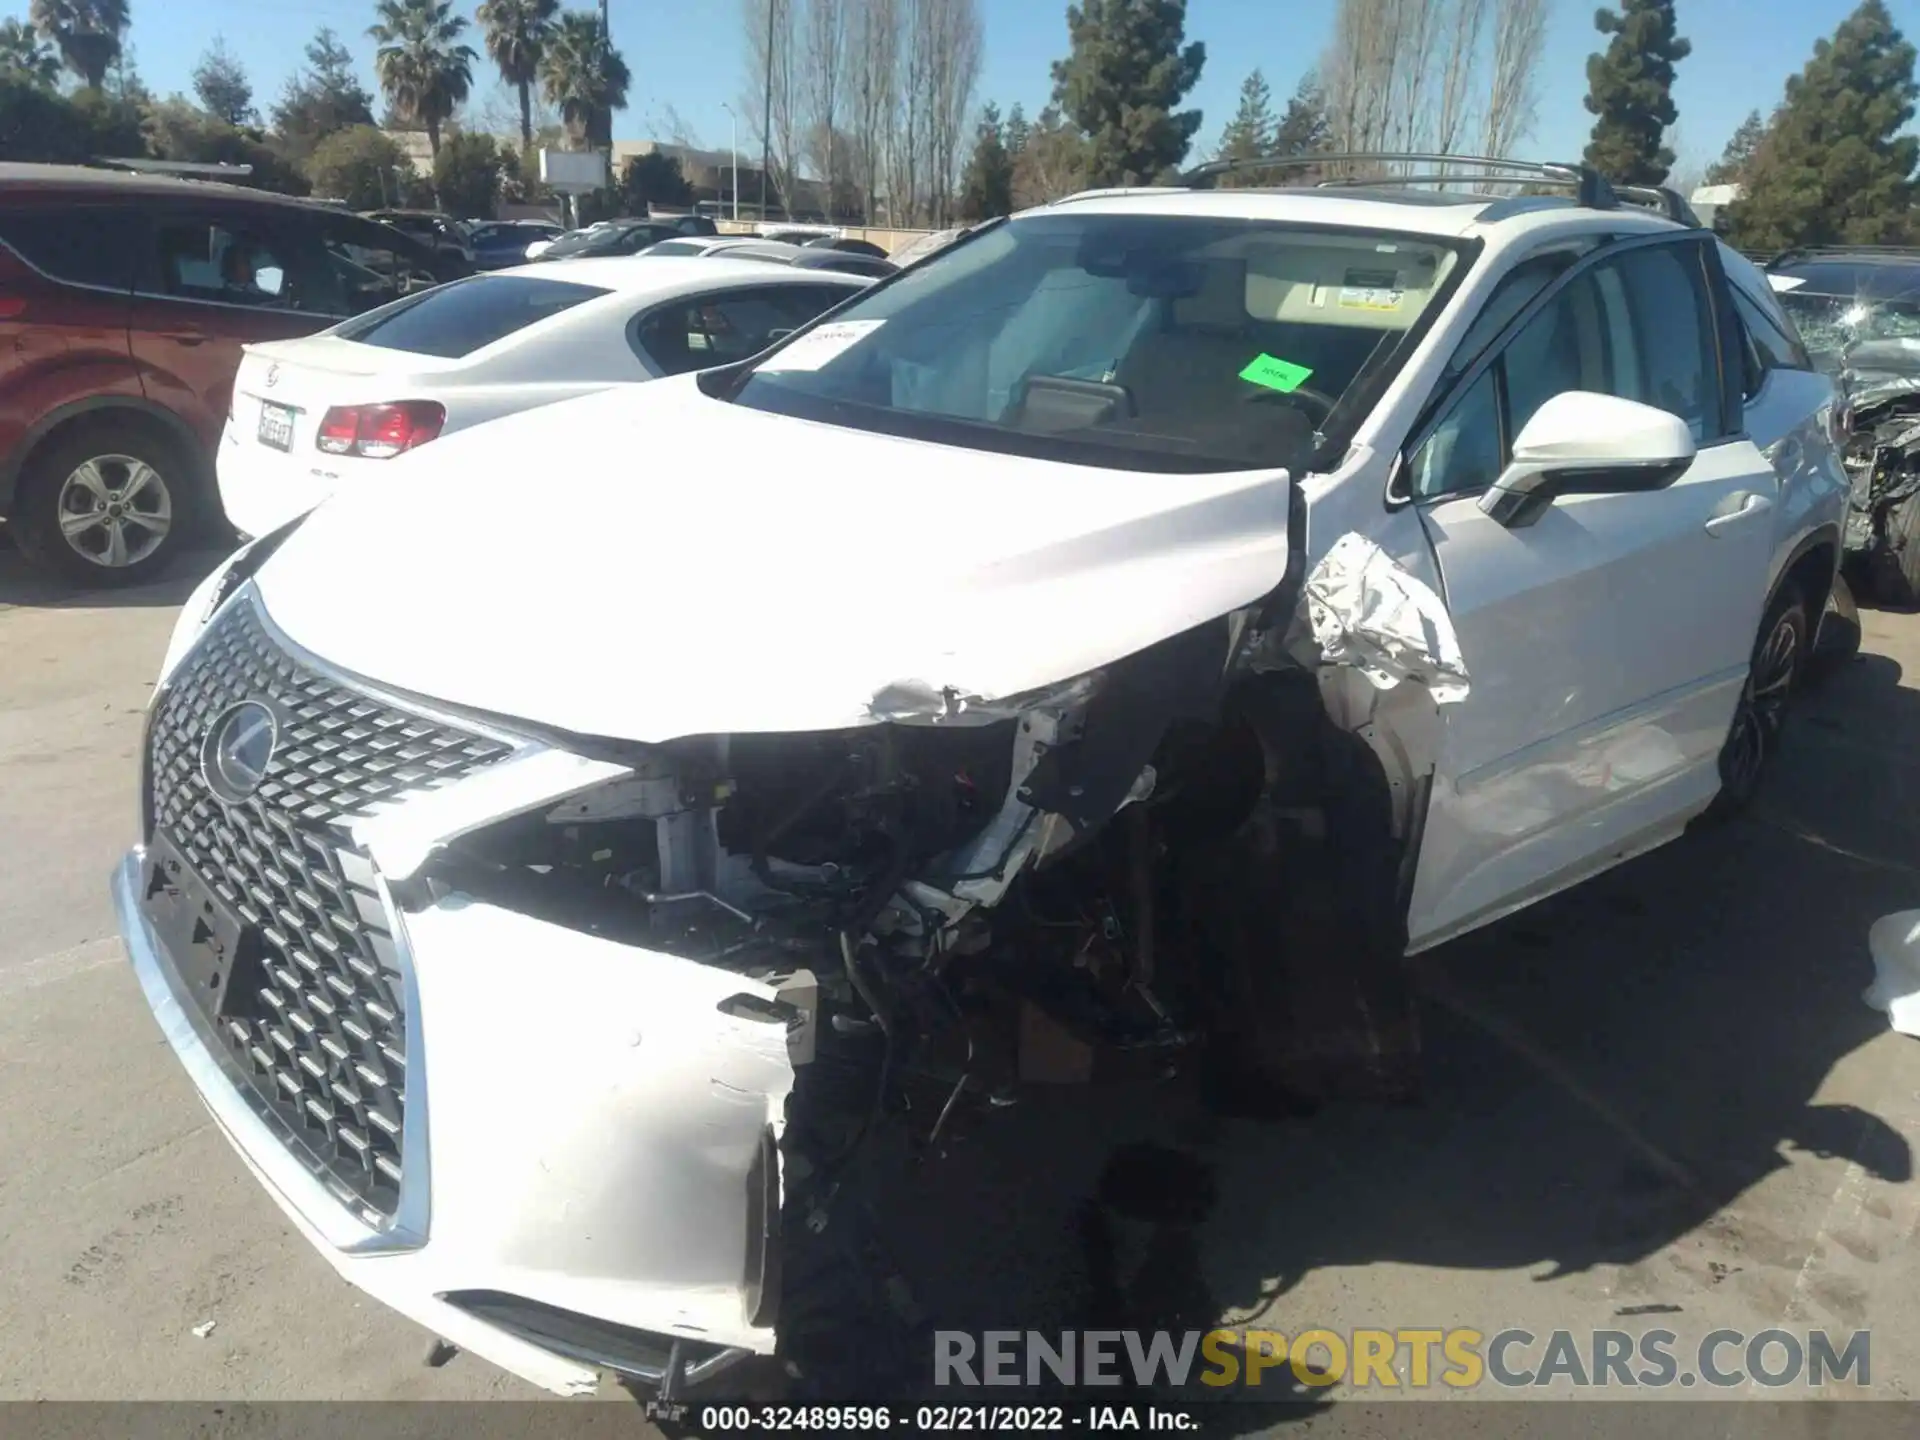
<point x="601" y="1157"/>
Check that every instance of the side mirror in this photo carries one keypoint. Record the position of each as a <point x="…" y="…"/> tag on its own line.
<point x="1581" y="443"/>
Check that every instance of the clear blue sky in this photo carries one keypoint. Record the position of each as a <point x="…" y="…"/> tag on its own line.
<point x="687" y="54"/>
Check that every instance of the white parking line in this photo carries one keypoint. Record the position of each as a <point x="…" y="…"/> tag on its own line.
<point x="62" y="965"/>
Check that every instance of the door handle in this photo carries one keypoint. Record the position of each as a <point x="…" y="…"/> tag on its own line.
<point x="1744" y="505"/>
<point x="188" y="337"/>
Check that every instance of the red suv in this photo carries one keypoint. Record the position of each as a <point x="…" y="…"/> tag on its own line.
<point x="124" y="302"/>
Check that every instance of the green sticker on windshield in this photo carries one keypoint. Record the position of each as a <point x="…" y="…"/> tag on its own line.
<point x="1281" y="375"/>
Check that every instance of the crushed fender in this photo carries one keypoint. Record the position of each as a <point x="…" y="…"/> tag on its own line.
<point x="1369" y="613"/>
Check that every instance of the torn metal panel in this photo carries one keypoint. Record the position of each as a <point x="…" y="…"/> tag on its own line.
<point x="401" y="839"/>
<point x="1367" y="612"/>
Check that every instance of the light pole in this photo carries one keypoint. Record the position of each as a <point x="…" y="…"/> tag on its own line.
<point x="736" y="158"/>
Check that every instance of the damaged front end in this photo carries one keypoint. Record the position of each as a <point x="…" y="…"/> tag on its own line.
<point x="569" y="1048"/>
<point x="1882" y="456"/>
<point x="1190" y="863"/>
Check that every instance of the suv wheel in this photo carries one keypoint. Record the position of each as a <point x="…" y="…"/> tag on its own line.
<point x="1778" y="658"/>
<point x="107" y="505"/>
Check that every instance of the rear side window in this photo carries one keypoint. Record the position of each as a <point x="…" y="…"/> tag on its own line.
<point x="714" y="330"/>
<point x="1778" y="350"/>
<point x="83" y="245"/>
<point x="468" y="315"/>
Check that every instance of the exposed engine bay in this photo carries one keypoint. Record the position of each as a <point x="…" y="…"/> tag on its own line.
<point x="1882" y="457"/>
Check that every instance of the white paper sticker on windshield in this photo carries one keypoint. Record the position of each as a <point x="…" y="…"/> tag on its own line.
<point x="817" y="347"/>
<point x="1786" y="282"/>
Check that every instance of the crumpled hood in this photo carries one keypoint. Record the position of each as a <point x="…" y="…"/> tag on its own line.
<point x="648" y="562"/>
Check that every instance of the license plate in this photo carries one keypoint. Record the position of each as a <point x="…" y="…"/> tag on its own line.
<point x="276" y="425"/>
<point x="206" y="939"/>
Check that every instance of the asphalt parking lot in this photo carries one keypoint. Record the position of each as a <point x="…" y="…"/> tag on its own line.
<point x="1657" y="1096"/>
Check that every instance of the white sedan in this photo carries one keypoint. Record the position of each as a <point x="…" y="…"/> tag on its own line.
<point x="312" y="414"/>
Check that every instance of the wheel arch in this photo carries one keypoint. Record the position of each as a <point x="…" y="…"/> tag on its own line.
<point x="49" y="428"/>
<point x="1811" y="564"/>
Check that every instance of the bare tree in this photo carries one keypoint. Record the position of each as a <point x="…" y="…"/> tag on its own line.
<point x="873" y="53"/>
<point x="826" y="63"/>
<point x="1418" y="24"/>
<point x="907" y="128"/>
<point x="1360" y="68"/>
<point x="1519" y="39"/>
<point x="770" y="104"/>
<point x="1461" y="32"/>
<point x="955" y="41"/>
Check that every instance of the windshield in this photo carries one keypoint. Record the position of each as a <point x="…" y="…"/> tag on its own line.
<point x="1831" y="324"/>
<point x="1178" y="343"/>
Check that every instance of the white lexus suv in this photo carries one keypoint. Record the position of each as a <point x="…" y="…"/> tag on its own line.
<point x="1113" y="642"/>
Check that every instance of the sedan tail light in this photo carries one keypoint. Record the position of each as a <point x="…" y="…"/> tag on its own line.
<point x="379" y="432"/>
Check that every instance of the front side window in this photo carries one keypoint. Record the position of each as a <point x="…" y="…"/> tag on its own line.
<point x="1174" y="343"/>
<point x="1636" y="326"/>
<point x="227" y="264"/>
<point x="367" y="269"/>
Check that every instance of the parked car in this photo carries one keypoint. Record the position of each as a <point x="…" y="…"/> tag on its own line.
<point x="1858" y="311"/>
<point x="620" y="237"/>
<point x="445" y="234"/>
<point x="805" y="257"/>
<point x="926" y="245"/>
<point x="502" y="244"/>
<point x="310" y="416"/>
<point x="124" y="303"/>
<point x="846" y="244"/>
<point x="1153" y="608"/>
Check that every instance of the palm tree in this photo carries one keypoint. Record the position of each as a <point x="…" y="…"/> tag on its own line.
<point x="423" y="70"/>
<point x="85" y="32"/>
<point x="24" y="58"/>
<point x="517" y="34"/>
<point x="585" y="77"/>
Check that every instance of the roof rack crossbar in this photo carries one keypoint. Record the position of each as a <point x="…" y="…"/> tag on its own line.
<point x="1590" y="186"/>
<point x="1666" y="200"/>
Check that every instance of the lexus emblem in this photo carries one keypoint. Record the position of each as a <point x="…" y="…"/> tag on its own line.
<point x="237" y="750"/>
<point x="273" y="375"/>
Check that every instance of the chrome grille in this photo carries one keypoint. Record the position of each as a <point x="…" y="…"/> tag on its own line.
<point x="313" y="1004"/>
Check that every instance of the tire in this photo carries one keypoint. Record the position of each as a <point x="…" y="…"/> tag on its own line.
<point x="136" y="484"/>
<point x="1779" y="656"/>
<point x="1838" y="640"/>
<point x="1896" y="559"/>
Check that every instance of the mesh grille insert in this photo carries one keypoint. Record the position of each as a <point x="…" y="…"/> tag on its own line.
<point x="314" y="1004"/>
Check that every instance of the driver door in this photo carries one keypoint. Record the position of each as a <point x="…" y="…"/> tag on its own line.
<point x="1608" y="639"/>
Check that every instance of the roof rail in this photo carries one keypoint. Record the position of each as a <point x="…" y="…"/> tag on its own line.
<point x="1589" y="185"/>
<point x="1796" y="252"/>
<point x="192" y="169"/>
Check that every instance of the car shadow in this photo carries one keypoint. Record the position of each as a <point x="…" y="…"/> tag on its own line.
<point x="23" y="586"/>
<point x="1604" y="1074"/>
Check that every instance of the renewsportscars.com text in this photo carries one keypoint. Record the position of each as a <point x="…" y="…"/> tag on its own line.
<point x="1406" y="1359"/>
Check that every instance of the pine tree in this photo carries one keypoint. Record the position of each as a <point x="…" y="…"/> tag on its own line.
<point x="1306" y="127"/>
<point x="986" y="188"/>
<point x="222" y="85"/>
<point x="1249" y="135"/>
<point x="1016" y="131"/>
<point x="1127" y="69"/>
<point x="1630" y="90"/>
<point x="1835" y="167"/>
<point x="1731" y="167"/>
